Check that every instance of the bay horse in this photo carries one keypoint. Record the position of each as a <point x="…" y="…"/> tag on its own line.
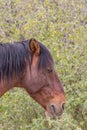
<point x="28" y="64"/>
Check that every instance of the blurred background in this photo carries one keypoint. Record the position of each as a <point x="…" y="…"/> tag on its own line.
<point x="62" y="26"/>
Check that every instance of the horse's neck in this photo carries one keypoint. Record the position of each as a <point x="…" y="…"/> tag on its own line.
<point x="4" y="87"/>
<point x="7" y="85"/>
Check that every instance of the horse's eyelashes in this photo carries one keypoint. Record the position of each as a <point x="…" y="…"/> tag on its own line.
<point x="49" y="70"/>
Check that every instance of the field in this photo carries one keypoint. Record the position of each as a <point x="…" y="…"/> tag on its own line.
<point x="62" y="26"/>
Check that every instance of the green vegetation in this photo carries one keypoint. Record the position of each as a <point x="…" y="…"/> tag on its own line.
<point x="62" y="26"/>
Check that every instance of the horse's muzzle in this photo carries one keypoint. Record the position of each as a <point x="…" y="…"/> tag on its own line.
<point x="54" y="111"/>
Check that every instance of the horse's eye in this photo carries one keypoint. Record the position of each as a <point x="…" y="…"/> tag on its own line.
<point x="49" y="70"/>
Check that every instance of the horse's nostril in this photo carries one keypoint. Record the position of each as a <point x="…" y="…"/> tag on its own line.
<point x="53" y="108"/>
<point x="63" y="106"/>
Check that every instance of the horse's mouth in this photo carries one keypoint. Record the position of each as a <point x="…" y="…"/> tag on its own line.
<point x="53" y="115"/>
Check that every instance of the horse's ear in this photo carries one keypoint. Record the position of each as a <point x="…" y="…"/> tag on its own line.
<point x="34" y="46"/>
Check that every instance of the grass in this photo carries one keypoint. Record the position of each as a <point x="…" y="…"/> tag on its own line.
<point x="62" y="27"/>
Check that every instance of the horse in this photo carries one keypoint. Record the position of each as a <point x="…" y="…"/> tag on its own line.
<point x="28" y="64"/>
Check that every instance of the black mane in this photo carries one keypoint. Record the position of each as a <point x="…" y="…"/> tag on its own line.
<point x="45" y="59"/>
<point x="13" y="55"/>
